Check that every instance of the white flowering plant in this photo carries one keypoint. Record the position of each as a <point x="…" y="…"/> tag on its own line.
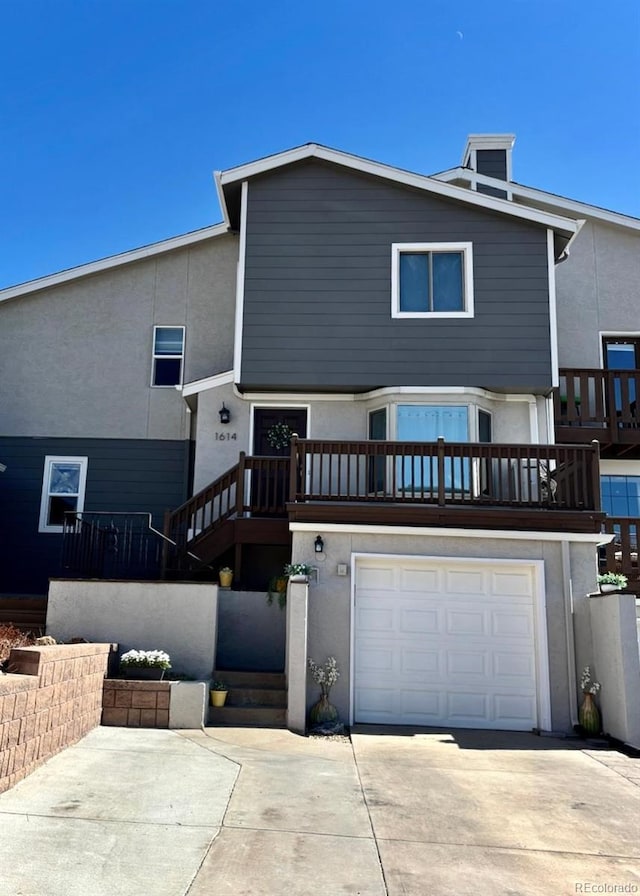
<point x="587" y="683"/>
<point x="326" y="676"/>
<point x="149" y="659"/>
<point x="298" y="569"/>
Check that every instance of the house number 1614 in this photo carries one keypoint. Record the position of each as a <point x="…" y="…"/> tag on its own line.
<point x="225" y="436"/>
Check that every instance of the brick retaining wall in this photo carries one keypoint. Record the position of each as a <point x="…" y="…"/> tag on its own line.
<point x="136" y="704"/>
<point x="51" y="699"/>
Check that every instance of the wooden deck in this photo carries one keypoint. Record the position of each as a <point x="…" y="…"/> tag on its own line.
<point x="591" y="403"/>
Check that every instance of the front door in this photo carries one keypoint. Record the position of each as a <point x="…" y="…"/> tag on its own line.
<point x="272" y="428"/>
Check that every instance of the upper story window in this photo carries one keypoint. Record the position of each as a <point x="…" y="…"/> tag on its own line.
<point x="168" y="356"/>
<point x="432" y="280"/>
<point x="63" y="487"/>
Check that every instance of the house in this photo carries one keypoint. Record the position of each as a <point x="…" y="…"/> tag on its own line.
<point x="370" y="370"/>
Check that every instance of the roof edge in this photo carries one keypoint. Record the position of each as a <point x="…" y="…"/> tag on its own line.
<point x="112" y="261"/>
<point x="575" y="206"/>
<point x="399" y="175"/>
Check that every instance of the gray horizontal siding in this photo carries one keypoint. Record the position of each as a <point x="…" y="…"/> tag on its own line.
<point x="123" y="476"/>
<point x="317" y="306"/>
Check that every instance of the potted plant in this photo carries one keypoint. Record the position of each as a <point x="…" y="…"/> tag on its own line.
<point x="218" y="692"/>
<point x="226" y="576"/>
<point x="588" y="715"/>
<point x="145" y="664"/>
<point x="323" y="711"/>
<point x="611" y="581"/>
<point x="278" y="584"/>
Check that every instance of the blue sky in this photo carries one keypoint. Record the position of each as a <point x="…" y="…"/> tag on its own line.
<point x="115" y="112"/>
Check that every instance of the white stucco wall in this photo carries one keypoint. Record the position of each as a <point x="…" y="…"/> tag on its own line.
<point x="93" y="379"/>
<point x="177" y="617"/>
<point x="597" y="290"/>
<point x="329" y="607"/>
<point x="218" y="446"/>
<point x="616" y="664"/>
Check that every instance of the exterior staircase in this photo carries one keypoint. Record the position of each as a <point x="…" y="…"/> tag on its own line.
<point x="255" y="700"/>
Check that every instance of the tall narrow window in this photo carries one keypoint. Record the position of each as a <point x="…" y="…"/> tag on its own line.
<point x="168" y="356"/>
<point x="63" y="487"/>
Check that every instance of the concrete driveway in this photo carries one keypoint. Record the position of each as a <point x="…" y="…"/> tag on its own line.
<point x="264" y="812"/>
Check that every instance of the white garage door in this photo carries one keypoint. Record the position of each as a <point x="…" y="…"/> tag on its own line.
<point x="445" y="643"/>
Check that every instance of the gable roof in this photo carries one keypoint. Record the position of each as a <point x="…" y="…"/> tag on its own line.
<point x="532" y="194"/>
<point x="233" y="177"/>
<point x="112" y="261"/>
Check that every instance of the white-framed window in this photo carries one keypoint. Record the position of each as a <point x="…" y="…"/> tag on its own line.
<point x="432" y="280"/>
<point x="168" y="356"/>
<point x="63" y="486"/>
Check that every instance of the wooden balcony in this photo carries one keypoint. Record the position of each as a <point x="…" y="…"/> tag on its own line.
<point x="597" y="404"/>
<point x="442" y="483"/>
<point x="621" y="554"/>
<point x="472" y="485"/>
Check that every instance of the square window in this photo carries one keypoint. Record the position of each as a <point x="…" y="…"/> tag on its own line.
<point x="432" y="280"/>
<point x="168" y="355"/>
<point x="63" y="487"/>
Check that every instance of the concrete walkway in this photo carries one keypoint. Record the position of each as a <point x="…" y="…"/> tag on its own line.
<point x="264" y="812"/>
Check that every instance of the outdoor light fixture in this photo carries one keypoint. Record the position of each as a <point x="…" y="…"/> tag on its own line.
<point x="225" y="414"/>
<point x="319" y="545"/>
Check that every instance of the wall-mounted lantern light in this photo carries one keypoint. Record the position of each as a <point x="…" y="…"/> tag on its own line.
<point x="225" y="414"/>
<point x="319" y="545"/>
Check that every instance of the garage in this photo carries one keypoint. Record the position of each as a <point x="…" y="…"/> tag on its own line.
<point x="450" y="642"/>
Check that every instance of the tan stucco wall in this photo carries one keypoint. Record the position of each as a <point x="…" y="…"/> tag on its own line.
<point x="330" y="600"/>
<point x="177" y="617"/>
<point x="217" y="449"/>
<point x="597" y="290"/>
<point x="75" y="359"/>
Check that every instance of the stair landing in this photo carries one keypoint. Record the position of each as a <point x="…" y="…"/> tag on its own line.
<point x="255" y="700"/>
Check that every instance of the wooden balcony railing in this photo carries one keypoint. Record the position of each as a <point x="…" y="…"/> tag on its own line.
<point x="597" y="404"/>
<point x="446" y="473"/>
<point x="621" y="554"/>
<point x="255" y="484"/>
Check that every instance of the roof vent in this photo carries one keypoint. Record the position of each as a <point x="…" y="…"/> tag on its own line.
<point x="490" y="156"/>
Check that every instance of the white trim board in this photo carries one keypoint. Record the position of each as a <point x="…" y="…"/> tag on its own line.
<point x="220" y="379"/>
<point x="113" y="261"/>
<point x="239" y="323"/>
<point x="419" y="181"/>
<point x="553" y="314"/>
<point x="564" y="204"/>
<point x="596" y="538"/>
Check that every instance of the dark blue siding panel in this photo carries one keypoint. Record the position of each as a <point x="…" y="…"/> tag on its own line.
<point x="317" y="308"/>
<point x="492" y="163"/>
<point x="123" y="475"/>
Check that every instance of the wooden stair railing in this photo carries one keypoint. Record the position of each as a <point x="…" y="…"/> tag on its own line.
<point x="227" y="497"/>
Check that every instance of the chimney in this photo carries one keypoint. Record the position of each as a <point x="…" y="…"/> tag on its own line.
<point x="490" y="155"/>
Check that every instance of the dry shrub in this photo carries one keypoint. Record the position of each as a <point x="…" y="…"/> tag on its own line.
<point x="10" y="637"/>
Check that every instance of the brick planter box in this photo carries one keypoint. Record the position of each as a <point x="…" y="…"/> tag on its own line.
<point x="51" y="699"/>
<point x="136" y="704"/>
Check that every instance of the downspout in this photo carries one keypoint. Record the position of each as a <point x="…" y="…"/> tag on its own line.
<point x="567" y="595"/>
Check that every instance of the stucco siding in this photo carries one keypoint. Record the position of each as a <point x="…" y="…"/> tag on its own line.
<point x="75" y="359"/>
<point x="598" y="290"/>
<point x="217" y="446"/>
<point x="329" y="613"/>
<point x="317" y="291"/>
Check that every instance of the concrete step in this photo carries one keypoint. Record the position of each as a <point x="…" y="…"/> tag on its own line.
<point x="237" y="679"/>
<point x="248" y="716"/>
<point x="256" y="697"/>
